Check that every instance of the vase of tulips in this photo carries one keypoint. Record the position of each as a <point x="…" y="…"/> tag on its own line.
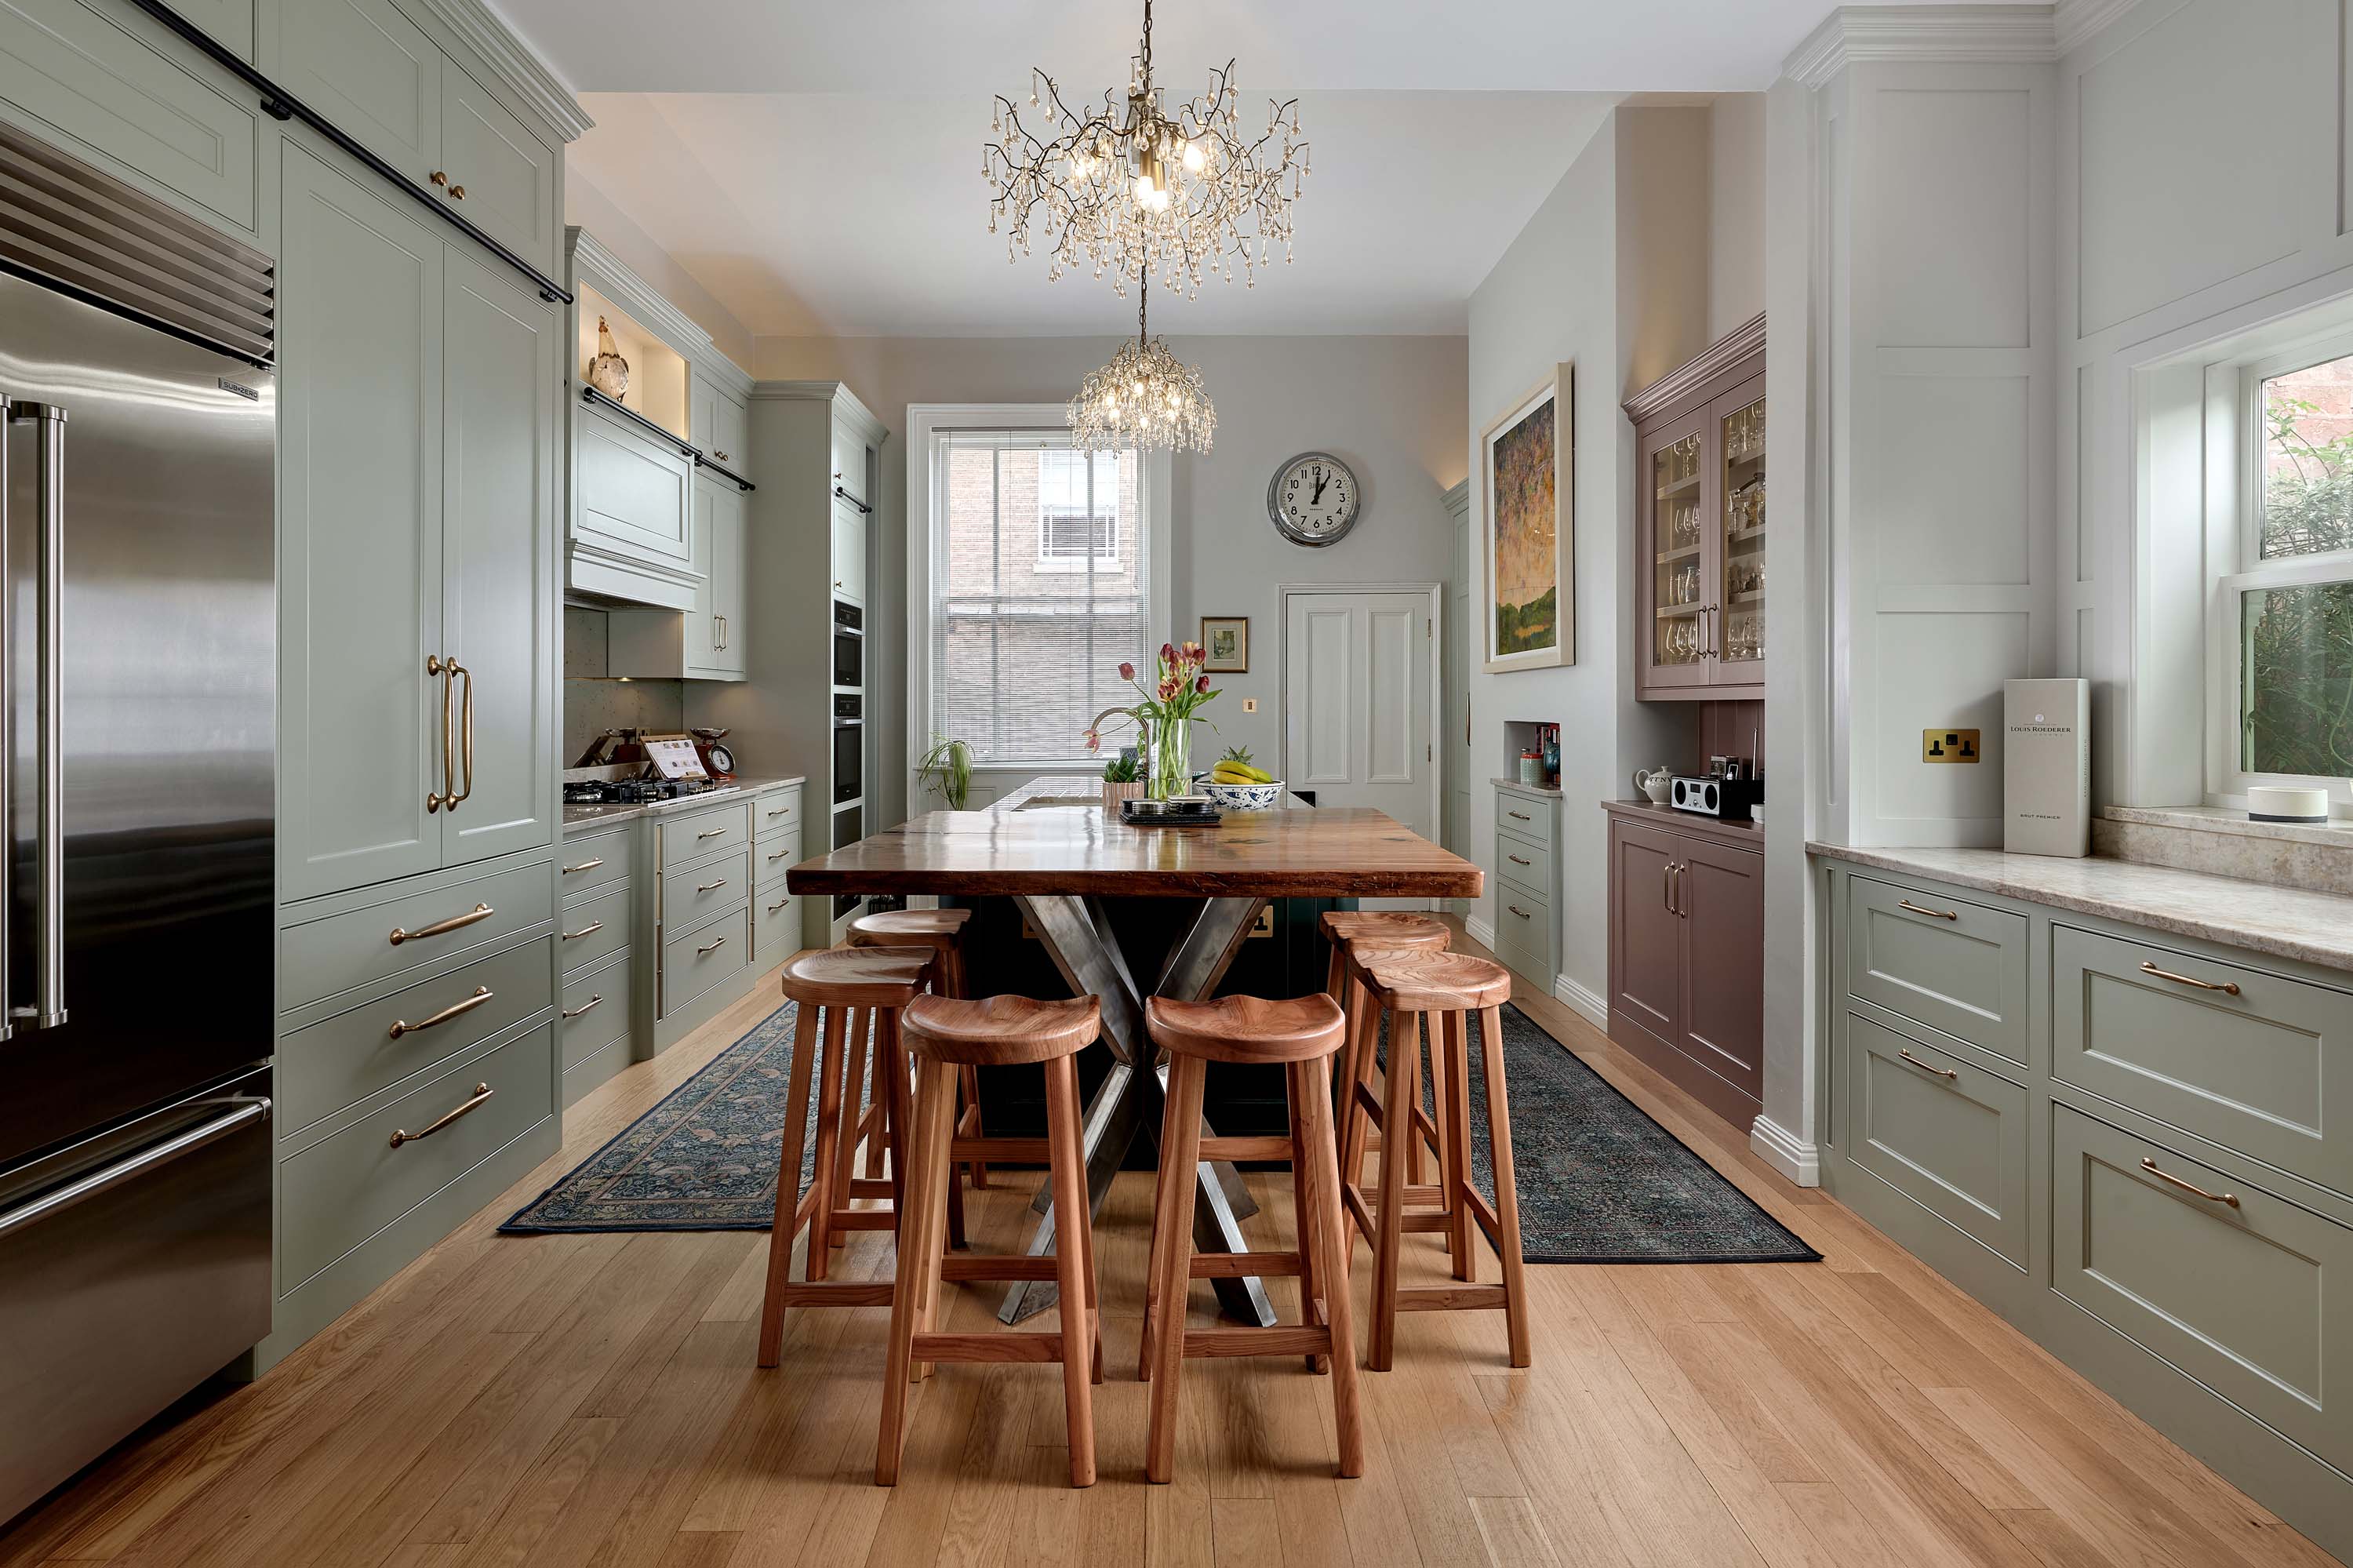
<point x="1164" y="714"/>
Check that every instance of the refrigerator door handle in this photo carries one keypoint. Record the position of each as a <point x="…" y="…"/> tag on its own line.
<point x="236" y="1112"/>
<point x="48" y="1009"/>
<point x="7" y="744"/>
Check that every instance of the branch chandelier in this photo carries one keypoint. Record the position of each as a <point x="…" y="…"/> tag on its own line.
<point x="1127" y="190"/>
<point x="1142" y="398"/>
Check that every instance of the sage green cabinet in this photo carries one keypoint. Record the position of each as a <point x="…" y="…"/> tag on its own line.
<point x="705" y="642"/>
<point x="1940" y="1130"/>
<point x="848" y="551"/>
<point x="717" y="422"/>
<point x="501" y="177"/>
<point x="1958" y="967"/>
<point x="417" y="504"/>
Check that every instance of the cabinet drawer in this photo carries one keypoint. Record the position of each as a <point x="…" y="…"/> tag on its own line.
<point x="777" y="814"/>
<point x="596" y="1009"/>
<point x="2266" y="1069"/>
<point x="1943" y="1131"/>
<point x="121" y="86"/>
<point x="772" y="858"/>
<point x="508" y="175"/>
<point x="342" y="1060"/>
<point x="1523" y="933"/>
<point x="591" y="861"/>
<point x="593" y="928"/>
<point x="332" y="954"/>
<point x="633" y="490"/>
<point x="2248" y="1298"/>
<point x="1532" y="819"/>
<point x="1526" y="864"/>
<point x="776" y="926"/>
<point x="696" y="961"/>
<point x="1956" y="967"/>
<point x="693" y="893"/>
<point x="343" y="1189"/>
<point x="704" y="833"/>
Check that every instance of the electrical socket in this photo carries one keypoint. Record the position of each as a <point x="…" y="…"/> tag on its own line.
<point x="1250" y="704"/>
<point x="1949" y="745"/>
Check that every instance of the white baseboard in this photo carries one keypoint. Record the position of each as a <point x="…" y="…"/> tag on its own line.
<point x="1481" y="932"/>
<point x="1782" y="1149"/>
<point x="1587" y="1005"/>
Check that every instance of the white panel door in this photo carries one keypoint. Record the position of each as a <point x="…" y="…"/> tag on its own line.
<point x="1357" y="713"/>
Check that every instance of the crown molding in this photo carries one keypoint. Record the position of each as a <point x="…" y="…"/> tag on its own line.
<point x="617" y="281"/>
<point x="2076" y="20"/>
<point x="518" y="70"/>
<point x="1721" y="355"/>
<point x="1977" y="34"/>
<point x="845" y="403"/>
<point x="1457" y="501"/>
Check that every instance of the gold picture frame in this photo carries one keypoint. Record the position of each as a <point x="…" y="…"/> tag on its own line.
<point x="1227" y="640"/>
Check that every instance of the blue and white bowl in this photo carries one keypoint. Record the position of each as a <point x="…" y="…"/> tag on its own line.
<point x="1243" y="796"/>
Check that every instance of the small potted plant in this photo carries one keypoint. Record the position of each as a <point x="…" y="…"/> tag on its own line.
<point x="1122" y="779"/>
<point x="947" y="768"/>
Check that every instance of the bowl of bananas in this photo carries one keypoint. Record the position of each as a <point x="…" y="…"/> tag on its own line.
<point x="1236" y="785"/>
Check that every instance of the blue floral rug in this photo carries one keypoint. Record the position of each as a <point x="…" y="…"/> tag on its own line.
<point x="1599" y="1181"/>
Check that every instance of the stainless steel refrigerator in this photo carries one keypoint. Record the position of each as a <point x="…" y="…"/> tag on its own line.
<point x="137" y="678"/>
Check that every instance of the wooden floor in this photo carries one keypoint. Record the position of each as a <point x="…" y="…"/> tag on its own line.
<point x="592" y="1399"/>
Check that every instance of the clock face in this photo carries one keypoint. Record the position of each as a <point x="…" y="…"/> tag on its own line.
<point x="1314" y="499"/>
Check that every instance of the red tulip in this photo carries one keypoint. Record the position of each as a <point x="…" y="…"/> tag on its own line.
<point x="1169" y="687"/>
<point x="1202" y="684"/>
<point x="1167" y="653"/>
<point x="1126" y="671"/>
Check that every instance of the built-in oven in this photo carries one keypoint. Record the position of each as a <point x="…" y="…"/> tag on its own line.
<point x="849" y="756"/>
<point x="849" y="645"/>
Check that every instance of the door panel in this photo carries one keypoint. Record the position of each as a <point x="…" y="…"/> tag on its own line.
<point x="1646" y="956"/>
<point x="1721" y="893"/>
<point x="369" y="69"/>
<point x="701" y="625"/>
<point x="848" y="551"/>
<point x="1942" y="1130"/>
<point x="1672" y="632"/>
<point x="359" y="503"/>
<point x="508" y="173"/>
<point x="499" y="550"/>
<point x="1356" y="718"/>
<point x="728" y="565"/>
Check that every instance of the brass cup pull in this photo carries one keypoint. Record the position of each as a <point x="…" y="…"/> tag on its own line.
<point x="712" y="887"/>
<point x="710" y="834"/>
<point x="482" y="994"/>
<point x="481" y="1092"/>
<point x="479" y="912"/>
<point x="1517" y="910"/>
<point x="714" y="947"/>
<point x="2229" y="1198"/>
<point x="583" y="865"/>
<point x="2228" y="987"/>
<point x="1932" y="914"/>
<point x="590" y="929"/>
<point x="577" y="1011"/>
<point x="1925" y="1068"/>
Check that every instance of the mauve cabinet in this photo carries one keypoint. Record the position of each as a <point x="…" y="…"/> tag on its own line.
<point x="1686" y="952"/>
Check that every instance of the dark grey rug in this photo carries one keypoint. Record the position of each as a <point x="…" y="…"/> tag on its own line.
<point x="1599" y="1180"/>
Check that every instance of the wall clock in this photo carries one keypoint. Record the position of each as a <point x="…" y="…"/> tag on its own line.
<point x="1314" y="499"/>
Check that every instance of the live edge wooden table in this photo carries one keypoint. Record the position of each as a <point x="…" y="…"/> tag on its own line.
<point x="1051" y="848"/>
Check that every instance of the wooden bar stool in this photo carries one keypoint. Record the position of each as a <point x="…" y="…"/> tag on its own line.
<point x="945" y="1034"/>
<point x="1302" y="1035"/>
<point x="941" y="931"/>
<point x="1345" y="929"/>
<point x="1406" y="984"/>
<point x="860" y="994"/>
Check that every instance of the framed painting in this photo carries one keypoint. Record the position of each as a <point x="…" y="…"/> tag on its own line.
<point x="1528" y="529"/>
<point x="1226" y="638"/>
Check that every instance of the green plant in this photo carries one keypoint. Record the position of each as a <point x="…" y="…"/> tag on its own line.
<point x="1241" y="753"/>
<point x="947" y="768"/>
<point x="2298" y="647"/>
<point x="1123" y="769"/>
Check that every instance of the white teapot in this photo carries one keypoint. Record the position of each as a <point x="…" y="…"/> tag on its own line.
<point x="1655" y="784"/>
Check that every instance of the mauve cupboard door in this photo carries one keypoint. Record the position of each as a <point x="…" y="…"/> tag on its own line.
<point x="1647" y="963"/>
<point x="1723" y="900"/>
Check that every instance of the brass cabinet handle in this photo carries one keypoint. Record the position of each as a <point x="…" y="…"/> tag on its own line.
<point x="481" y="1092"/>
<point x="1925" y="1068"/>
<point x="588" y="930"/>
<point x="781" y="811"/>
<point x="435" y="665"/>
<point x="1680" y="907"/>
<point x="712" y="887"/>
<point x="714" y="947"/>
<point x="710" y="834"/>
<point x="1667" y="887"/>
<point x="1516" y="860"/>
<point x="1517" y="910"/>
<point x="479" y="912"/>
<point x="457" y="193"/>
<point x="1932" y="914"/>
<point x="439" y="178"/>
<point x="722" y="457"/>
<point x="583" y="865"/>
<point x="482" y="994"/>
<point x="779" y="903"/>
<point x="466" y="753"/>
<point x="779" y="854"/>
<point x="2228" y="987"/>
<point x="2229" y="1198"/>
<point x="577" y="1011"/>
<point x="1519" y="816"/>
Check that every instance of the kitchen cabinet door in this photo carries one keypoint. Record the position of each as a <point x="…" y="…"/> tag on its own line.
<point x="359" y="497"/>
<point x="729" y="566"/>
<point x="1722" y="896"/>
<point x="499" y="557"/>
<point x="1671" y="580"/>
<point x="731" y="434"/>
<point x="848" y="551"/>
<point x="1646" y="959"/>
<point x="501" y="177"/>
<point x="701" y="625"/>
<point x="370" y="70"/>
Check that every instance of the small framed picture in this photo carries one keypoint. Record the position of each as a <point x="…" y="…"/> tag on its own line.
<point x="1227" y="637"/>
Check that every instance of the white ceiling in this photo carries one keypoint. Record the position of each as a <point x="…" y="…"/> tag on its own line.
<point x="817" y="166"/>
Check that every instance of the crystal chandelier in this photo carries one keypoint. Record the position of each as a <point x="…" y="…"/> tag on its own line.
<point x="1132" y="191"/>
<point x="1144" y="398"/>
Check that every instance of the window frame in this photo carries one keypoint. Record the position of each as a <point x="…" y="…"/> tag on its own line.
<point x="1076" y="564"/>
<point x="1155" y="506"/>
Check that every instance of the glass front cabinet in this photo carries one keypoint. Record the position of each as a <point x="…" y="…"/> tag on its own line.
<point x="1701" y="623"/>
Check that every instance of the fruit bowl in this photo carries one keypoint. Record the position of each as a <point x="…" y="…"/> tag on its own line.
<point x="1243" y="796"/>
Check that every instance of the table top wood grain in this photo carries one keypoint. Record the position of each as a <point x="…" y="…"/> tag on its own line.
<point x="1052" y="836"/>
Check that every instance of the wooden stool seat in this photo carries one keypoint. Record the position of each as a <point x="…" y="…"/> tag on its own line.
<point x="909" y="927"/>
<point x="1413" y="979"/>
<point x="1386" y="928"/>
<point x="1301" y="1035"/>
<point x="1247" y="1028"/>
<point x="945" y="1034"/>
<point x="857" y="977"/>
<point x="1346" y="930"/>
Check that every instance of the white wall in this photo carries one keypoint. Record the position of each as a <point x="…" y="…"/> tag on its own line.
<point x="1392" y="406"/>
<point x="588" y="208"/>
<point x="1735" y="200"/>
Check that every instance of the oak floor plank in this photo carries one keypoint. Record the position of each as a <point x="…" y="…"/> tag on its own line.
<point x="1245" y="1532"/>
<point x="540" y="1500"/>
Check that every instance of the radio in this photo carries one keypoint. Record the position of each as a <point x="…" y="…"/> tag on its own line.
<point x="1708" y="796"/>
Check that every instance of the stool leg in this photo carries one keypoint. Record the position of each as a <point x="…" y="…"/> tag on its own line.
<point x="927" y="1183"/>
<point x="1303" y="1206"/>
<point x="858" y="1042"/>
<point x="1507" y="1195"/>
<point x="898" y="1108"/>
<point x="1403" y="1088"/>
<point x="1180" y="1151"/>
<point x="829" y="1136"/>
<point x="1365" y="1028"/>
<point x="1454" y="1116"/>
<point x="788" y="1187"/>
<point x="1070" y="1272"/>
<point x="1163" y="1182"/>
<point x="968" y="1124"/>
<point x="873" y="1122"/>
<point x="1320" y="1170"/>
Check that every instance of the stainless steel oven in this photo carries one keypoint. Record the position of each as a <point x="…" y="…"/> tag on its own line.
<point x="849" y="645"/>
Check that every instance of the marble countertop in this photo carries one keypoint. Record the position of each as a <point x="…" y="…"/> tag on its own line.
<point x="2287" y="922"/>
<point x="580" y="819"/>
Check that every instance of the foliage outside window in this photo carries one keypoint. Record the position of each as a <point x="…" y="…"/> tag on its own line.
<point x="2296" y="636"/>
